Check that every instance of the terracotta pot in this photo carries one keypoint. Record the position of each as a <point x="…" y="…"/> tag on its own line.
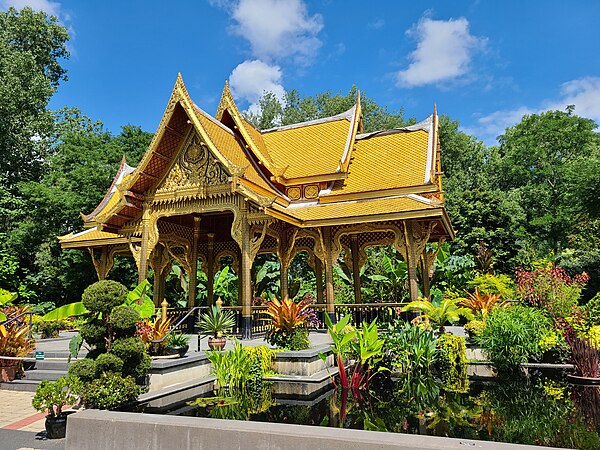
<point x="56" y="427"/>
<point x="217" y="343"/>
<point x="8" y="373"/>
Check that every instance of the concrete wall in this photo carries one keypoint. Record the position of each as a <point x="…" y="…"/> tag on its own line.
<point x="167" y="372"/>
<point x="303" y="362"/>
<point x="98" y="430"/>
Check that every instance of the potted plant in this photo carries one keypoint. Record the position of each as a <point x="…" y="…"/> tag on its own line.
<point x="215" y="323"/>
<point x="52" y="397"/>
<point x="178" y="344"/>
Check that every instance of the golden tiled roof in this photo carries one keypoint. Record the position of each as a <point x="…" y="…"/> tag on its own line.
<point x="88" y="237"/>
<point x="308" y="150"/>
<point x="387" y="161"/>
<point x="357" y="209"/>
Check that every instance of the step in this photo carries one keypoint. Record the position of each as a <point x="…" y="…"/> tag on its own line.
<point x="20" y="385"/>
<point x="52" y="364"/>
<point x="39" y="374"/>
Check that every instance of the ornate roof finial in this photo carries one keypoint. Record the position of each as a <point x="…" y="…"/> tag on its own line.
<point x="434" y="109"/>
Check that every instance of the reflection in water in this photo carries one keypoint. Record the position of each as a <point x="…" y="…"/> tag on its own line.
<point x="523" y="410"/>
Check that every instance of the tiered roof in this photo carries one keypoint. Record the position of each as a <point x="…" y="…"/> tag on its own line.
<point x="313" y="173"/>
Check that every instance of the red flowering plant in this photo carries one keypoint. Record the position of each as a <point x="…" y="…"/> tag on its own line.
<point x="552" y="289"/>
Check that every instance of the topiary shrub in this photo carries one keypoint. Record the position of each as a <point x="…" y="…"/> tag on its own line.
<point x="452" y="363"/>
<point x="132" y="351"/>
<point x="123" y="320"/>
<point x="84" y="369"/>
<point x="107" y="362"/>
<point x="103" y="296"/>
<point x="94" y="332"/>
<point x="110" y="391"/>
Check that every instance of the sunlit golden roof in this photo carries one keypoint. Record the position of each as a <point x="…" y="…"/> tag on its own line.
<point x="91" y="237"/>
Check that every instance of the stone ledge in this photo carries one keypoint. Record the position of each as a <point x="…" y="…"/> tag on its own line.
<point x="93" y="429"/>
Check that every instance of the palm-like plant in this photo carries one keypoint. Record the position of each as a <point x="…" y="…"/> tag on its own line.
<point x="483" y="303"/>
<point x="287" y="315"/>
<point x="447" y="311"/>
<point x="216" y="322"/>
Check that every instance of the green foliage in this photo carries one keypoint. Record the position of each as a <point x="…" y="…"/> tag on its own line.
<point x="84" y="369"/>
<point x="475" y="327"/>
<point x="513" y="334"/>
<point x="410" y="350"/>
<point x="108" y="362"/>
<point x="261" y="359"/>
<point x="139" y="300"/>
<point x="447" y="311"/>
<point x="49" y="328"/>
<point x="233" y="367"/>
<point x="132" y="351"/>
<point x="452" y="363"/>
<point x="66" y="311"/>
<point x="494" y="284"/>
<point x="7" y="298"/>
<point x="110" y="391"/>
<point x="294" y="340"/>
<point x="178" y="340"/>
<point x="52" y="396"/>
<point x="103" y="296"/>
<point x="592" y="311"/>
<point x="94" y="332"/>
<point x="123" y="320"/>
<point x="216" y="322"/>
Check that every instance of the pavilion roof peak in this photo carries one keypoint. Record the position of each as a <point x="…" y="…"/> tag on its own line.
<point x="424" y="125"/>
<point x="348" y="115"/>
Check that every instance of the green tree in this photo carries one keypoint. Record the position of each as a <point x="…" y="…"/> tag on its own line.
<point x="32" y="45"/>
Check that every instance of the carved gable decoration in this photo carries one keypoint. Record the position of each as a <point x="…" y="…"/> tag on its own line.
<point x="195" y="167"/>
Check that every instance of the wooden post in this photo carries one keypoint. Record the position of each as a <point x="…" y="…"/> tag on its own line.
<point x="246" y="276"/>
<point x="355" y="269"/>
<point x="283" y="265"/>
<point x="194" y="265"/>
<point x="143" y="266"/>
<point x="210" y="269"/>
<point x="329" y="292"/>
<point x="319" y="277"/>
<point x="425" y="275"/>
<point x="411" y="261"/>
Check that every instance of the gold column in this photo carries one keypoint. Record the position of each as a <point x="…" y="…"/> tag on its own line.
<point x="143" y="266"/>
<point x="210" y="270"/>
<point x="425" y="275"/>
<point x="355" y="269"/>
<point x="194" y="265"/>
<point x="246" y="267"/>
<point x="319" y="277"/>
<point x="411" y="261"/>
<point x="283" y="265"/>
<point x="158" y="276"/>
<point x="329" y="292"/>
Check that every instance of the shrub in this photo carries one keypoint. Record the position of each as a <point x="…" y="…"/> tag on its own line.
<point x="51" y="396"/>
<point x="494" y="284"/>
<point x="410" y="349"/>
<point x="103" y="296"/>
<point x="107" y="362"/>
<point x="261" y="359"/>
<point x="135" y="360"/>
<point x="294" y="341"/>
<point x="592" y="311"/>
<point x="512" y="335"/>
<point x="475" y="327"/>
<point x="110" y="391"/>
<point x="94" y="332"/>
<point x="48" y="328"/>
<point x="123" y="320"/>
<point x="452" y="363"/>
<point x="84" y="369"/>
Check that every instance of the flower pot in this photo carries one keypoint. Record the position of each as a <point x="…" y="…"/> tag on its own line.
<point x="181" y="350"/>
<point x="217" y="343"/>
<point x="8" y="373"/>
<point x="583" y="381"/>
<point x="56" y="426"/>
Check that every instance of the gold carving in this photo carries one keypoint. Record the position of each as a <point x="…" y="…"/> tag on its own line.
<point x="311" y="191"/>
<point x="294" y="193"/>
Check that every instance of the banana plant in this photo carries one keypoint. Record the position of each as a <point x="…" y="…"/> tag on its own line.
<point x="6" y="299"/>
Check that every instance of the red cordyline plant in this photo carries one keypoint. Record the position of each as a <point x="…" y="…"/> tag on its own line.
<point x="550" y="287"/>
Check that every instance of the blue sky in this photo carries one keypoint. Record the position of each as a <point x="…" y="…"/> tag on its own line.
<point x="485" y="63"/>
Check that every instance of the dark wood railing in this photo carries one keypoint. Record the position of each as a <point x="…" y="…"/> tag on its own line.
<point x="360" y="312"/>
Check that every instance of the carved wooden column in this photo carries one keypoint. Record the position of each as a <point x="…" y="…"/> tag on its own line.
<point x="319" y="279"/>
<point x="102" y="264"/>
<point x="210" y="269"/>
<point x="246" y="267"/>
<point x="194" y="265"/>
<point x="425" y="275"/>
<point x="329" y="292"/>
<point x="159" y="281"/>
<point x="411" y="260"/>
<point x="355" y="268"/>
<point x="283" y="264"/>
<point x="143" y="265"/>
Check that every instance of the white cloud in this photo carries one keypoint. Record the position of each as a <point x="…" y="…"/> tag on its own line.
<point x="584" y="93"/>
<point x="444" y="51"/>
<point x="277" y="29"/>
<point x="376" y="24"/>
<point x="251" y="79"/>
<point x="52" y="8"/>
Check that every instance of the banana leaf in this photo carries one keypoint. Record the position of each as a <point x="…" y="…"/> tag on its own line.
<point x="66" y="311"/>
<point x="139" y="300"/>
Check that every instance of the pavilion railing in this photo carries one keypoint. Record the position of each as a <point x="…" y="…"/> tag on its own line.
<point x="360" y="312"/>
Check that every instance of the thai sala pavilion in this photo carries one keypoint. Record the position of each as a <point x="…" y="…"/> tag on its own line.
<point x="210" y="187"/>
